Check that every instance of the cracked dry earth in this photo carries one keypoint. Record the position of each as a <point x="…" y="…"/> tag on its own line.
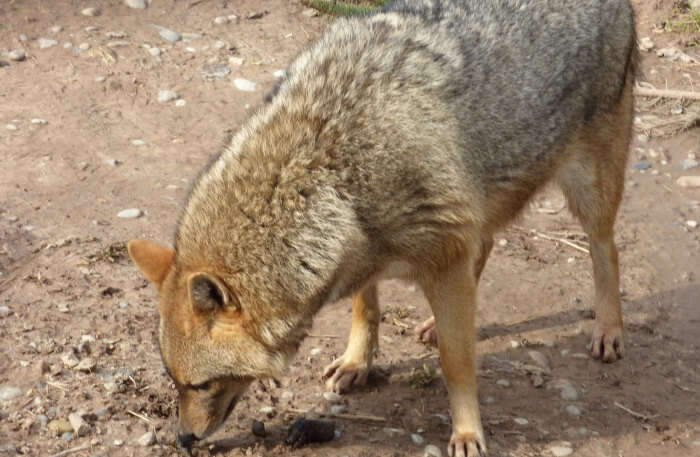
<point x="83" y="137"/>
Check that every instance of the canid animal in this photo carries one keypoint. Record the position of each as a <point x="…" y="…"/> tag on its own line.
<point x="397" y="144"/>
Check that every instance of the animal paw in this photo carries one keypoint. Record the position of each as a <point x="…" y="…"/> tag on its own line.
<point x="466" y="445"/>
<point x="344" y="374"/>
<point x="427" y="333"/>
<point x="607" y="342"/>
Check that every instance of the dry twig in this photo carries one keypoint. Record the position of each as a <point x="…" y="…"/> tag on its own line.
<point x="72" y="450"/>
<point x="666" y="93"/>
<point x="641" y="416"/>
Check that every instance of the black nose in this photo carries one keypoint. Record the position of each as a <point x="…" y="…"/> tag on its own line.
<point x="185" y="440"/>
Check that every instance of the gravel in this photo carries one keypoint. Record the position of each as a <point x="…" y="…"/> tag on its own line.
<point x="8" y="393"/>
<point x="561" y="450"/>
<point x="540" y="360"/>
<point x="4" y="311"/>
<point x="221" y="20"/>
<point x="45" y="43"/>
<point x="573" y="410"/>
<point x="417" y="439"/>
<point x="211" y="72"/>
<point x="244" y="85"/>
<point x="155" y="52"/>
<point x="521" y="421"/>
<point x="165" y="95"/>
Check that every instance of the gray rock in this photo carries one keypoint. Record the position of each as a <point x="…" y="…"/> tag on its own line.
<point x="191" y="36"/>
<point x="92" y="11"/>
<point x="258" y="429"/>
<point x="566" y="389"/>
<point x="8" y="393"/>
<point x="540" y="359"/>
<point x="165" y="95"/>
<point x="68" y="436"/>
<point x="4" y="311"/>
<point x="169" y="35"/>
<point x="45" y="43"/>
<point x="147" y="439"/>
<point x="417" y="439"/>
<point x="521" y="421"/>
<point x="131" y="213"/>
<point x="432" y="451"/>
<point x="17" y="55"/>
<point x="642" y="165"/>
<point x="59" y="426"/>
<point x="211" y="72"/>
<point x="42" y="419"/>
<point x="244" y="85"/>
<point x="136" y="4"/>
<point x="573" y="410"/>
<point x="394" y="432"/>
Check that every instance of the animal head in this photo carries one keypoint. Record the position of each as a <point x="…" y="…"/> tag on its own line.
<point x="210" y="344"/>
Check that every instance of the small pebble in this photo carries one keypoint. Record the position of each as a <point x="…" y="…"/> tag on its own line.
<point x="68" y="436"/>
<point x="130" y="213"/>
<point x="332" y="397"/>
<point x="60" y="426"/>
<point x="112" y="162"/>
<point x="91" y="29"/>
<point x="42" y="419"/>
<point x="503" y="383"/>
<point x="417" y="439"/>
<point x="521" y="421"/>
<point x="244" y="85"/>
<point x="23" y="37"/>
<point x="4" y="311"/>
<point x="190" y="49"/>
<point x="63" y="308"/>
<point x="315" y="351"/>
<point x="338" y="409"/>
<point x="269" y="411"/>
<point x="123" y="305"/>
<point x="67" y="45"/>
<point x="310" y="12"/>
<point x="221" y="20"/>
<point x="84" y="46"/>
<point x="642" y="165"/>
<point x="8" y="393"/>
<point x="180" y="103"/>
<point x="394" y="432"/>
<point x="258" y="429"/>
<point x="56" y="29"/>
<point x="80" y="427"/>
<point x="573" y="410"/>
<point x="91" y="12"/>
<point x="136" y="4"/>
<point x="155" y="52"/>
<point x="689" y="181"/>
<point x="87" y="365"/>
<point x="118" y="44"/>
<point x="39" y="121"/>
<point x="10" y="126"/>
<point x="687" y="164"/>
<point x="490" y="399"/>
<point x="286" y="395"/>
<point x="69" y="360"/>
<point x="138" y="143"/>
<point x="561" y="450"/>
<point x="170" y="35"/>
<point x="256" y="15"/>
<point x="220" y="44"/>
<point x="210" y="72"/>
<point x="165" y="95"/>
<point x="118" y="442"/>
<point x="278" y="74"/>
<point x="45" y="43"/>
<point x="147" y="439"/>
<point x="236" y="60"/>
<point x="540" y="360"/>
<point x="432" y="451"/>
<point x="17" y="55"/>
<point x="691" y="223"/>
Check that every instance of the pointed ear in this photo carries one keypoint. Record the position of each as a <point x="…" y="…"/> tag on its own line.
<point x="208" y="293"/>
<point x="153" y="260"/>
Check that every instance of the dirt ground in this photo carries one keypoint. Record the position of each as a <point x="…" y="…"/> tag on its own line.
<point x="70" y="294"/>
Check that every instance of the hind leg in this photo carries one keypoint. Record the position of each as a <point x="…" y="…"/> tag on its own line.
<point x="426" y="332"/>
<point x="593" y="184"/>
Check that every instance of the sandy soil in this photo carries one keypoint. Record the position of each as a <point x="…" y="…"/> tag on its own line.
<point x="64" y="273"/>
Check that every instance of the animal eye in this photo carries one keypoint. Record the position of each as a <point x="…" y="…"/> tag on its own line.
<point x="202" y="386"/>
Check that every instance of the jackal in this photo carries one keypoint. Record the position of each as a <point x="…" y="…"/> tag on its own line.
<point x="397" y="144"/>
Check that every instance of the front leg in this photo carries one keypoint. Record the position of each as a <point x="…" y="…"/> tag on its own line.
<point x="353" y="367"/>
<point x="452" y="297"/>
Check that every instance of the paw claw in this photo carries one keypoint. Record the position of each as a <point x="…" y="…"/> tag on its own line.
<point x="607" y="343"/>
<point x="341" y="375"/>
<point x="466" y="445"/>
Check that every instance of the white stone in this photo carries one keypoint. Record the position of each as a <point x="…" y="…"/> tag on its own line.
<point x="278" y="74"/>
<point x="338" y="409"/>
<point x="4" y="311"/>
<point x="268" y="410"/>
<point x="170" y="35"/>
<point x="561" y="450"/>
<point x="417" y="439"/>
<point x="310" y="12"/>
<point x="573" y="410"/>
<point x="131" y="213"/>
<point x="332" y="397"/>
<point x="244" y="85"/>
<point x="689" y="181"/>
<point x="69" y="360"/>
<point x="39" y="121"/>
<point x="503" y="383"/>
<point x="84" y="46"/>
<point x="521" y="421"/>
<point x="10" y="126"/>
<point x="136" y="4"/>
<point x="691" y="223"/>
<point x="394" y="432"/>
<point x="432" y="451"/>
<point x="165" y="95"/>
<point x="315" y="351"/>
<point x="8" y="393"/>
<point x="80" y="427"/>
<point x="236" y="60"/>
<point x="221" y="20"/>
<point x="45" y="43"/>
<point x="90" y="12"/>
<point x="138" y="143"/>
<point x="180" y="103"/>
<point x="154" y="51"/>
<point x="87" y="365"/>
<point x="56" y="29"/>
<point x="17" y="55"/>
